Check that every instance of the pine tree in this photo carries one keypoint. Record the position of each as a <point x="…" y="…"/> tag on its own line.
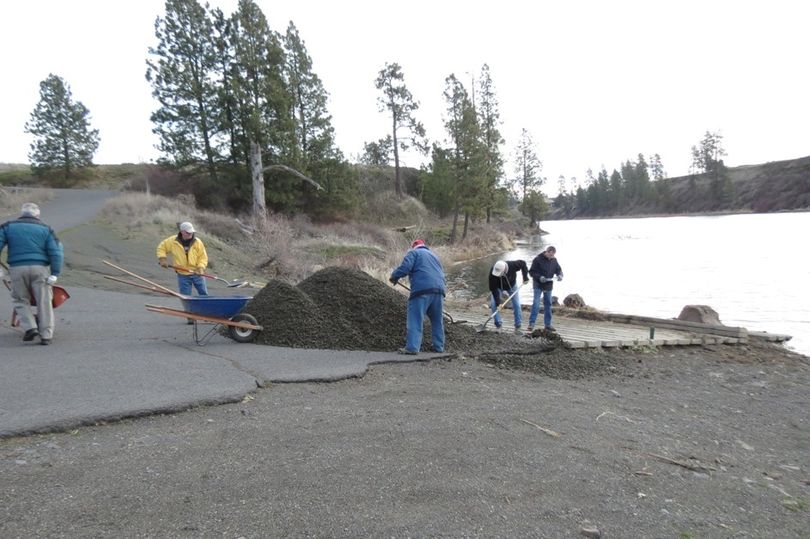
<point x="657" y="168"/>
<point x="314" y="149"/>
<point x="468" y="155"/>
<point x="63" y="138"/>
<point x="487" y="108"/>
<point x="314" y="134"/>
<point x="378" y="153"/>
<point x="262" y="105"/>
<point x="527" y="166"/>
<point x="398" y="101"/>
<point x="182" y="71"/>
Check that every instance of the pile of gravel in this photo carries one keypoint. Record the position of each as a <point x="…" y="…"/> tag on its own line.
<point x="290" y="318"/>
<point x="347" y="309"/>
<point x="374" y="311"/>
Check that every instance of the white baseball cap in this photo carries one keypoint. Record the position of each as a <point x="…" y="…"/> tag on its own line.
<point x="187" y="227"/>
<point x="499" y="268"/>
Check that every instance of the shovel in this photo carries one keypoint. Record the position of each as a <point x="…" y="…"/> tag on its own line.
<point x="445" y="313"/>
<point x="481" y="327"/>
<point x="231" y="284"/>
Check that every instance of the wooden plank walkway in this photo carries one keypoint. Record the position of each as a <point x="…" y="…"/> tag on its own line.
<point x="582" y="333"/>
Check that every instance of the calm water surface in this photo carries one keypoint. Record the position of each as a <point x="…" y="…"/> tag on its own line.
<point x="754" y="270"/>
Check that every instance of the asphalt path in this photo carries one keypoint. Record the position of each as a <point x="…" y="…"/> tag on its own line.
<point x="72" y="207"/>
<point x="111" y="358"/>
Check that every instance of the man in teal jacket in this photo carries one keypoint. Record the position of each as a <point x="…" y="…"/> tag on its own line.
<point x="32" y="248"/>
<point x="424" y="270"/>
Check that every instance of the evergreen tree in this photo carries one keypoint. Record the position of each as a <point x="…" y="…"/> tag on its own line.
<point x="63" y="138"/>
<point x="468" y="155"/>
<point x="378" y="153"/>
<point x="398" y="101"/>
<point x="487" y="108"/>
<point x="657" y="168"/>
<point x="227" y="107"/>
<point x="263" y="101"/>
<point x="437" y="184"/>
<point x="314" y="150"/>
<point x="182" y="72"/>
<point x="534" y="207"/>
<point x="706" y="156"/>
<point x="314" y="134"/>
<point x="617" y="188"/>
<point x="527" y="166"/>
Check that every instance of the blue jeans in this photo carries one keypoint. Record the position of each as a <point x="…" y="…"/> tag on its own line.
<point x="515" y="307"/>
<point x="432" y="305"/>
<point x="185" y="282"/>
<point x="536" y="307"/>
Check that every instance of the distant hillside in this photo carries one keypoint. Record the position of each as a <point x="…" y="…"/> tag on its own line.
<point x="773" y="186"/>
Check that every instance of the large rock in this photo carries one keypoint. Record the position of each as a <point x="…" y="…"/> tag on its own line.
<point x="574" y="301"/>
<point x="700" y="313"/>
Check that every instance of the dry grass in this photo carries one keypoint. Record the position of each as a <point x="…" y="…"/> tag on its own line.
<point x="291" y="249"/>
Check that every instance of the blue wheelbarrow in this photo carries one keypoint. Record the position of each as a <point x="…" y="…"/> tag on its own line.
<point x="221" y="311"/>
<point x="218" y="310"/>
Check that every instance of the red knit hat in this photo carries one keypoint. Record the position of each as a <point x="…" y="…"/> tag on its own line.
<point x="417" y="243"/>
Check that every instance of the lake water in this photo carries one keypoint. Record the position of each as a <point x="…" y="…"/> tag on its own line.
<point x="754" y="270"/>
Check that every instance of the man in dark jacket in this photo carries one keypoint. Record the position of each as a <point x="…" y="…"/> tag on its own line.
<point x="426" y="275"/>
<point x="503" y="282"/>
<point x="32" y="248"/>
<point x="544" y="268"/>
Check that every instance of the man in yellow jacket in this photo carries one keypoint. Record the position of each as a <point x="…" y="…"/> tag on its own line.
<point x="187" y="251"/>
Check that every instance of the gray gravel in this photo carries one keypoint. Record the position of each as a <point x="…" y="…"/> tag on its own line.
<point x="447" y="448"/>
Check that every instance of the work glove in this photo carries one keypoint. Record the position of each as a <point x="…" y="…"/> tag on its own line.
<point x="200" y="270"/>
<point x="163" y="262"/>
<point x="559" y="277"/>
<point x="393" y="281"/>
<point x="504" y="295"/>
<point x="542" y="279"/>
<point x="51" y="280"/>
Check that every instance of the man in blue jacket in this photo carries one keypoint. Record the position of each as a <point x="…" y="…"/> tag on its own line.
<point x="425" y="273"/>
<point x="32" y="248"/>
<point x="544" y="268"/>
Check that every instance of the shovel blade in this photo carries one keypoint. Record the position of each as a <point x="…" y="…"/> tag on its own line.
<point x="480" y="328"/>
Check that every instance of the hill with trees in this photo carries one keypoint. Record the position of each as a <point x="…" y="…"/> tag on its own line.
<point x="768" y="187"/>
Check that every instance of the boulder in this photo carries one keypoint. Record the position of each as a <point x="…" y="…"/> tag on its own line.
<point x="700" y="313"/>
<point x="574" y="301"/>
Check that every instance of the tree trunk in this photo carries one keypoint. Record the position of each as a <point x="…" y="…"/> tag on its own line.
<point x="455" y="226"/>
<point x="397" y="179"/>
<point x="466" y="225"/>
<point x="259" y="205"/>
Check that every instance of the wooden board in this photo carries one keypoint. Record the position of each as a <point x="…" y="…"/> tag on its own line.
<point x="671" y="323"/>
<point x="583" y="333"/>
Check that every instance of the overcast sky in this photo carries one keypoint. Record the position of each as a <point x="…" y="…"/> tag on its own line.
<point x="595" y="82"/>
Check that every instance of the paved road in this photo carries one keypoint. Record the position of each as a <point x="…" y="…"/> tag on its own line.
<point x="72" y="207"/>
<point x="111" y="358"/>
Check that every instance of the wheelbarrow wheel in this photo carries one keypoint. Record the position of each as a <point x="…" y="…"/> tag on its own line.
<point x="243" y="334"/>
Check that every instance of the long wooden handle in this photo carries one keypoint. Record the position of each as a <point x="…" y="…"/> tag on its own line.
<point x="146" y="287"/>
<point x="147" y="281"/>
<point x="501" y="306"/>
<point x="183" y="268"/>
